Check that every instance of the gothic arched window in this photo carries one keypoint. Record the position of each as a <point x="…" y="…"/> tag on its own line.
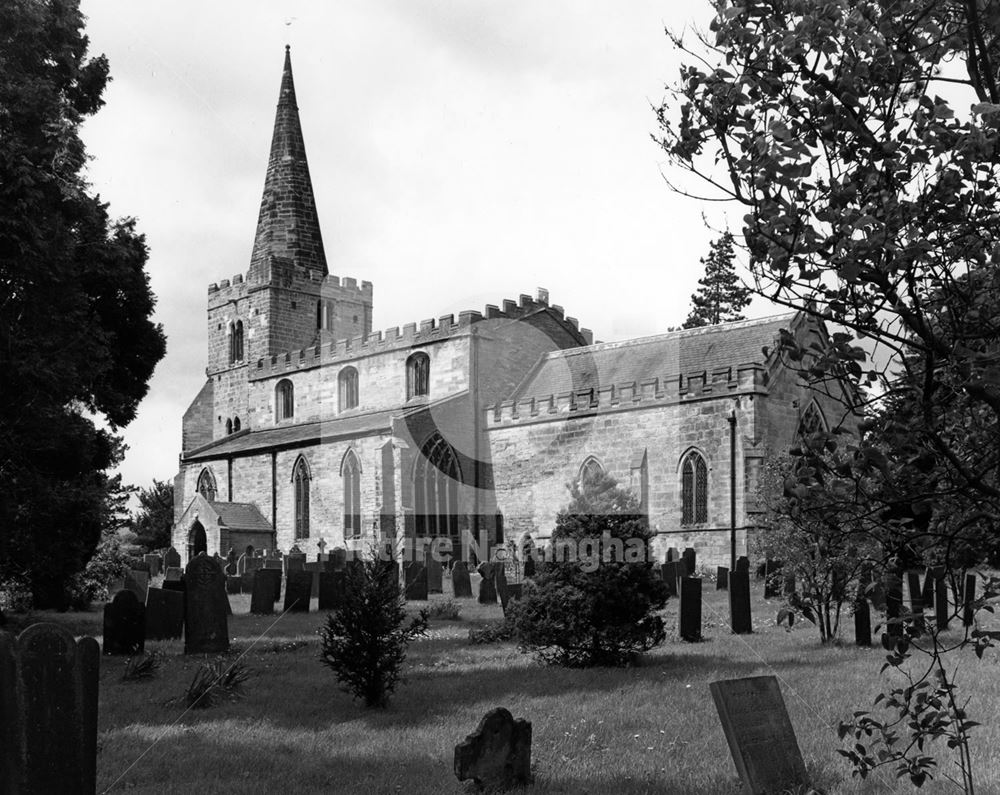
<point x="435" y="489"/>
<point x="206" y="484"/>
<point x="351" y="472"/>
<point x="236" y="341"/>
<point x="229" y="427"/>
<point x="236" y="424"/>
<point x="694" y="489"/>
<point x="812" y="420"/>
<point x="418" y="375"/>
<point x="590" y="470"/>
<point x="284" y="400"/>
<point x="347" y="383"/>
<point x="300" y="483"/>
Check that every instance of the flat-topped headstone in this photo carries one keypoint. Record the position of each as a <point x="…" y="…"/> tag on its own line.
<point x="48" y="689"/>
<point x="668" y="571"/>
<point x="206" y="627"/>
<point x="164" y="614"/>
<point x="154" y="562"/>
<point x="137" y="581"/>
<point x="416" y="581"/>
<point x="862" y="622"/>
<point x="298" y="591"/>
<point x="295" y="561"/>
<point x="273" y="578"/>
<point x="759" y="733"/>
<point x="739" y="601"/>
<point x="171" y="558"/>
<point x="689" y="558"/>
<point x="124" y="624"/>
<point x="497" y="755"/>
<point x="722" y="578"/>
<point x="435" y="575"/>
<point x="461" y="585"/>
<point x="274" y="563"/>
<point x="262" y="594"/>
<point x="332" y="589"/>
<point x="689" y="623"/>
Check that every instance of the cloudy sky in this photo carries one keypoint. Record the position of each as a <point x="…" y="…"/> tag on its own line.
<point x="461" y="153"/>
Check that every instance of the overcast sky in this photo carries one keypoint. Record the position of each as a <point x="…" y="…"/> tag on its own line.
<point x="461" y="153"/>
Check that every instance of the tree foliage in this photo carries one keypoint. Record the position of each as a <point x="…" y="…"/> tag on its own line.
<point x="594" y="605"/>
<point x="721" y="295"/>
<point x="75" y="304"/>
<point x="154" y="520"/>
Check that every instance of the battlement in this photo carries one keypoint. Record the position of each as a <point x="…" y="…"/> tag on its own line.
<point x="646" y="393"/>
<point x="293" y="277"/>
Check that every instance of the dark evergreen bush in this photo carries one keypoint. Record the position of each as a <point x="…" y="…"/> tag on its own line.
<point x="599" y="608"/>
<point x="364" y="641"/>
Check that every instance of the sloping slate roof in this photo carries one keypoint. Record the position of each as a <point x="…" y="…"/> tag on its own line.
<point x="676" y="353"/>
<point x="241" y="516"/>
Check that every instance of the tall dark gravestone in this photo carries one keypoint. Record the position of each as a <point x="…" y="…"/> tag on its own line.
<point x="298" y="591"/>
<point x="487" y="587"/>
<point x="295" y="561"/>
<point x="690" y="609"/>
<point x="941" y="611"/>
<point x="668" y="571"/>
<point x="862" y="623"/>
<point x="262" y="594"/>
<point x="893" y="604"/>
<point x="154" y="562"/>
<point x="968" y="598"/>
<point x="529" y="567"/>
<point x="689" y="559"/>
<point x="722" y="578"/>
<point x="48" y="702"/>
<point x="164" y="614"/>
<point x="273" y="578"/>
<point x="416" y="581"/>
<point x="739" y="601"/>
<point x="460" y="582"/>
<point x="743" y="564"/>
<point x="171" y="559"/>
<point x="673" y="555"/>
<point x="124" y="625"/>
<point x="234" y="584"/>
<point x="137" y="581"/>
<point x="339" y="558"/>
<point x="206" y="627"/>
<point x="435" y="575"/>
<point x="916" y="600"/>
<point x="331" y="590"/>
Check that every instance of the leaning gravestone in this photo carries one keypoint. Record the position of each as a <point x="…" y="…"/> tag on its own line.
<point x="739" y="600"/>
<point x="862" y="623"/>
<point x="206" y="628"/>
<point x="460" y="583"/>
<point x="668" y="571"/>
<point x="497" y="755"/>
<point x="435" y="578"/>
<point x="171" y="558"/>
<point x="416" y="581"/>
<point x="173" y="574"/>
<point x="298" y="591"/>
<point x="137" y="581"/>
<point x="331" y="589"/>
<point x="154" y="562"/>
<point x="164" y="614"/>
<point x="124" y="624"/>
<point x="722" y="578"/>
<point x="759" y="734"/>
<point x="690" y="609"/>
<point x="48" y="693"/>
<point x="262" y="594"/>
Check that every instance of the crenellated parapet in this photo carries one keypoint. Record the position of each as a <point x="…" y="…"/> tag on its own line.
<point x="646" y="393"/>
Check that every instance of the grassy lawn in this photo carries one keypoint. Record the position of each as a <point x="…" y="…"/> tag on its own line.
<point x="648" y="729"/>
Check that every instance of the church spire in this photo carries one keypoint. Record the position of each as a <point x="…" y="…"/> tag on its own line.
<point x="288" y="226"/>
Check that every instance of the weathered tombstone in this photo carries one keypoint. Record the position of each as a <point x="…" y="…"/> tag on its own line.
<point x="673" y="554"/>
<point x="529" y="566"/>
<point x="416" y="581"/>
<point x="722" y="578"/>
<point x="273" y="578"/>
<point x="759" y="733"/>
<point x="487" y="588"/>
<point x="668" y="571"/>
<point x="788" y="584"/>
<point x="298" y="591"/>
<point x="916" y="601"/>
<point x="893" y="604"/>
<point x="927" y="593"/>
<point x="772" y="579"/>
<point x="339" y="558"/>
<point x="743" y="564"/>
<point x="968" y="597"/>
<point x="940" y="600"/>
<point x="862" y="623"/>
<point x="246" y="581"/>
<point x="48" y="693"/>
<point x="274" y="563"/>
<point x="164" y="614"/>
<point x="461" y="585"/>
<point x="739" y="601"/>
<point x="124" y="624"/>
<point x="171" y="558"/>
<point x="234" y="584"/>
<point x="688" y="558"/>
<point x="137" y="581"/>
<point x="331" y="589"/>
<point x="262" y="596"/>
<point x="153" y="561"/>
<point x="206" y="628"/>
<point x="254" y="564"/>
<point x="497" y="755"/>
<point x="435" y="575"/>
<point x="173" y="574"/>
<point x="690" y="609"/>
<point x="172" y="585"/>
<point x="295" y="561"/>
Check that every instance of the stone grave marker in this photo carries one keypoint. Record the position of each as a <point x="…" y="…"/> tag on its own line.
<point x="487" y="588"/>
<point x="332" y="589"/>
<point x="254" y="563"/>
<point x="673" y="554"/>
<point x="529" y="566"/>
<point x="927" y="592"/>
<point x="246" y="581"/>
<point x="274" y="563"/>
<point x="968" y="597"/>
<point x="124" y="624"/>
<point x="893" y="604"/>
<point x="460" y="583"/>
<point x="164" y="614"/>
<point x="772" y="579"/>
<point x="689" y="559"/>
<point x="173" y="574"/>
<point x="722" y="578"/>
<point x="171" y="558"/>
<point x="262" y="593"/>
<point x="739" y="601"/>
<point x="273" y="578"/>
<point x="298" y="591"/>
<point x="690" y="609"/>
<point x="497" y="755"/>
<point x="743" y="564"/>
<point x="172" y="585"/>
<point x="206" y="628"/>
<point x="339" y="558"/>
<point x="234" y="584"/>
<point x="435" y="575"/>
<point x="759" y="733"/>
<point x="940" y="599"/>
<point x="862" y="623"/>
<point x="668" y="571"/>
<point x="137" y="581"/>
<point x="48" y="689"/>
<point x="416" y="581"/>
<point x="916" y="600"/>
<point x="295" y="561"/>
<point x="154" y="562"/>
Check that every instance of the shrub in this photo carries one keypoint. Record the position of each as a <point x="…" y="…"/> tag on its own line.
<point x="598" y="611"/>
<point x="142" y="666"/>
<point x="447" y="610"/>
<point x="497" y="632"/>
<point x="109" y="563"/>
<point x="364" y="640"/>
<point x="215" y="681"/>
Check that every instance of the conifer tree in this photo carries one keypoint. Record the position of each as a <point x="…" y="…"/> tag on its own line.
<point x="721" y="296"/>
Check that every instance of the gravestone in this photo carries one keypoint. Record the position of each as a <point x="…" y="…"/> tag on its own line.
<point x="154" y="562"/>
<point x="172" y="585"/>
<point x="529" y="567"/>
<point x="497" y="755"/>
<point x="759" y="733"/>
<point x="968" y="598"/>
<point x="862" y="623"/>
<point x="739" y="601"/>
<point x="298" y="591"/>
<point x="234" y="584"/>
<point x="254" y="563"/>
<point x="173" y="574"/>
<point x="273" y="578"/>
<point x="331" y="589"/>
<point x="246" y="581"/>
<point x="461" y="585"/>
<point x="164" y="614"/>
<point x="339" y="558"/>
<point x="688" y="558"/>
<point x="722" y="578"/>
<point x="416" y="581"/>
<point x="435" y="578"/>
<point x="124" y="624"/>
<point x="668" y="571"/>
<point x="940" y="600"/>
<point x="772" y="579"/>
<point x="916" y="601"/>
<point x="487" y="587"/>
<point x="927" y="593"/>
<point x="274" y="563"/>
<point x="893" y="604"/>
<point x="206" y="628"/>
<point x="137" y="581"/>
<point x="673" y="554"/>
<point x="262" y="596"/>
<point x="500" y="583"/>
<point x="231" y="559"/>
<point x="171" y="558"/>
<point x="48" y="689"/>
<point x="295" y="561"/>
<point x="743" y="564"/>
<point x="788" y="584"/>
<point x="690" y="609"/>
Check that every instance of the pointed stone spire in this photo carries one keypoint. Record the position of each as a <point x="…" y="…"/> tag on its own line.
<point x="288" y="226"/>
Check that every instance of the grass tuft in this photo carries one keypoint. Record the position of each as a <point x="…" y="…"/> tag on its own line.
<point x="214" y="682"/>
<point x="141" y="667"/>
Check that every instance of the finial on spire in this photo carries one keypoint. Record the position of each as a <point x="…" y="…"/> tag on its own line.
<point x="288" y="47"/>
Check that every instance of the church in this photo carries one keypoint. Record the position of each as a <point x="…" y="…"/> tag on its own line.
<point x="313" y="431"/>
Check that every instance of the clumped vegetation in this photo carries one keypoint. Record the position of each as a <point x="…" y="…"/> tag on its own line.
<point x="364" y="640"/>
<point x="216" y="681"/>
<point x="141" y="667"/>
<point x="598" y="606"/>
<point x="497" y="632"/>
<point x="448" y="610"/>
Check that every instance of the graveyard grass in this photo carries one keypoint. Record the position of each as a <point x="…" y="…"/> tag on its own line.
<point x="652" y="728"/>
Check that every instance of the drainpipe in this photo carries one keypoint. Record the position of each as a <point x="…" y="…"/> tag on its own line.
<point x="274" y="500"/>
<point x="732" y="490"/>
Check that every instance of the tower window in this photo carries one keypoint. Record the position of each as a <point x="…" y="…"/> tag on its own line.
<point x="694" y="489"/>
<point x="418" y="371"/>
<point x="284" y="400"/>
<point x="347" y="383"/>
<point x="236" y="341"/>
